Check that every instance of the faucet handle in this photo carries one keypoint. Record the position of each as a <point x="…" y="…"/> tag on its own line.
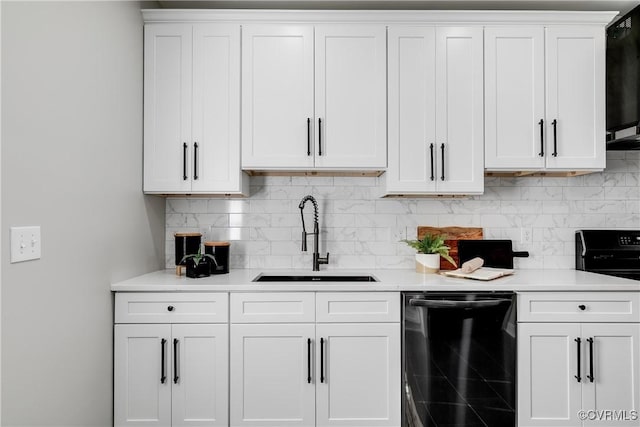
<point x="323" y="260"/>
<point x="304" y="241"/>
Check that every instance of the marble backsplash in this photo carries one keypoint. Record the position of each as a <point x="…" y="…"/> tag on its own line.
<point x="362" y="230"/>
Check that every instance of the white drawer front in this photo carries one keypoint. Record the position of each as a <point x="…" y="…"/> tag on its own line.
<point x="181" y="307"/>
<point x="273" y="307"/>
<point x="344" y="307"/>
<point x="579" y="307"/>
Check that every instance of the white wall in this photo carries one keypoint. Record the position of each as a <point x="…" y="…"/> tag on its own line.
<point x="361" y="230"/>
<point x="71" y="163"/>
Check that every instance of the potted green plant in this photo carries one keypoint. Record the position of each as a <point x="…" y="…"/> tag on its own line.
<point x="430" y="249"/>
<point x="198" y="265"/>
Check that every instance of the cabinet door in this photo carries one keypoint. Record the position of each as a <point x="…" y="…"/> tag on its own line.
<point x="142" y="384"/>
<point x="215" y="141"/>
<point x="575" y="58"/>
<point x="167" y="112"/>
<point x="277" y="96"/>
<point x="514" y="97"/>
<point x="548" y="392"/>
<point x="460" y="110"/>
<point x="359" y="379"/>
<point x="200" y="375"/>
<point x="351" y="96"/>
<point x="270" y="369"/>
<point x="412" y="110"/>
<point x="616" y="362"/>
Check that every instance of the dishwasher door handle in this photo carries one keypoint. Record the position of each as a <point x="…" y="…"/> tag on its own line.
<point x="434" y="303"/>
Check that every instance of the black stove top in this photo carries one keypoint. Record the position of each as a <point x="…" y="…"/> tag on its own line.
<point x="611" y="252"/>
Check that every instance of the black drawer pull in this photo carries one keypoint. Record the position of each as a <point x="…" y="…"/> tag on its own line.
<point x="590" y="376"/>
<point x="555" y="138"/>
<point x="309" y="360"/>
<point x="582" y="307"/>
<point x="176" y="377"/>
<point x="308" y="136"/>
<point x="195" y="160"/>
<point x="541" y="123"/>
<point x="170" y="308"/>
<point x="319" y="137"/>
<point x="442" y="148"/>
<point x="184" y="161"/>
<point x="163" y="375"/>
<point x="578" y="377"/>
<point x="431" y="152"/>
<point x="321" y="360"/>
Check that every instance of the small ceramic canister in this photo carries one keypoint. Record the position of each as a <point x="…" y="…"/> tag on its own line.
<point x="220" y="251"/>
<point x="186" y="244"/>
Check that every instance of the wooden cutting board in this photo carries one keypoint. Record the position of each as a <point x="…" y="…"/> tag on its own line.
<point x="451" y="235"/>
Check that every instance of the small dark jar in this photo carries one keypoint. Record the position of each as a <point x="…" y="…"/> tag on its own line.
<point x="220" y="251"/>
<point x="186" y="244"/>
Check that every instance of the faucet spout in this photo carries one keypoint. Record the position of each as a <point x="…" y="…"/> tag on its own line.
<point x="317" y="259"/>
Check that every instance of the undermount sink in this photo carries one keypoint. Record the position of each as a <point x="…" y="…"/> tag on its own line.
<point x="313" y="278"/>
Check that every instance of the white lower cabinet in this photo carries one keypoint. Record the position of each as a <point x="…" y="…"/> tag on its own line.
<point x="360" y="377"/>
<point x="578" y="373"/>
<point x="297" y="371"/>
<point x="270" y="370"/>
<point x="170" y="374"/>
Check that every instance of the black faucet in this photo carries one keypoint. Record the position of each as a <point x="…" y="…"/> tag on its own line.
<point x="317" y="259"/>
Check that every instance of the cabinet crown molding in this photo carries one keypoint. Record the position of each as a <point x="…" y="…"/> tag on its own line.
<point x="444" y="17"/>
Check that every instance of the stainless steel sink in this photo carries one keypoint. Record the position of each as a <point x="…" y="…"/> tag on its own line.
<point x="313" y="278"/>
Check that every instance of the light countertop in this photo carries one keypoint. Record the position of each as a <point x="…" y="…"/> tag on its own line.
<point x="389" y="280"/>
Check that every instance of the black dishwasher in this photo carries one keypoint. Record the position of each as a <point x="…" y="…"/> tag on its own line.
<point x="459" y="359"/>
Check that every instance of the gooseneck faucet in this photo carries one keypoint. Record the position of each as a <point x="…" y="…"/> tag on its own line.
<point x="317" y="259"/>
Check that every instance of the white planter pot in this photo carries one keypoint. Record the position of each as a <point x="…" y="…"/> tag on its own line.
<point x="427" y="263"/>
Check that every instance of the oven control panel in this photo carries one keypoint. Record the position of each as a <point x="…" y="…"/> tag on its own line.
<point x="629" y="240"/>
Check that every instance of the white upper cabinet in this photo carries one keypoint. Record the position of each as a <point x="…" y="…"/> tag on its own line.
<point x="277" y="96"/>
<point x="167" y="107"/>
<point x="432" y="98"/>
<point x="575" y="59"/>
<point x="544" y="98"/>
<point x="514" y="97"/>
<point x="314" y="100"/>
<point x="350" y="95"/>
<point x="435" y="111"/>
<point x="192" y="109"/>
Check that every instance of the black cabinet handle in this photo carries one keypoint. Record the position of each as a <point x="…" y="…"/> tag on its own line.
<point x="163" y="375"/>
<point x="195" y="160"/>
<point x="582" y="307"/>
<point x="321" y="360"/>
<point x="578" y="377"/>
<point x="184" y="161"/>
<point x="170" y="308"/>
<point x="431" y="152"/>
<point x="309" y="360"/>
<point x="176" y="377"/>
<point x="308" y="136"/>
<point x="442" y="149"/>
<point x="590" y="376"/>
<point x="541" y="123"/>
<point x="555" y="138"/>
<point x="319" y="137"/>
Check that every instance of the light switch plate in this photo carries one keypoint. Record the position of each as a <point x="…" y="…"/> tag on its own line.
<point x="25" y="243"/>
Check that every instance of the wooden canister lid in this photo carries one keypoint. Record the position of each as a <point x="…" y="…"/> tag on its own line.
<point x="214" y="244"/>
<point x="188" y="234"/>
